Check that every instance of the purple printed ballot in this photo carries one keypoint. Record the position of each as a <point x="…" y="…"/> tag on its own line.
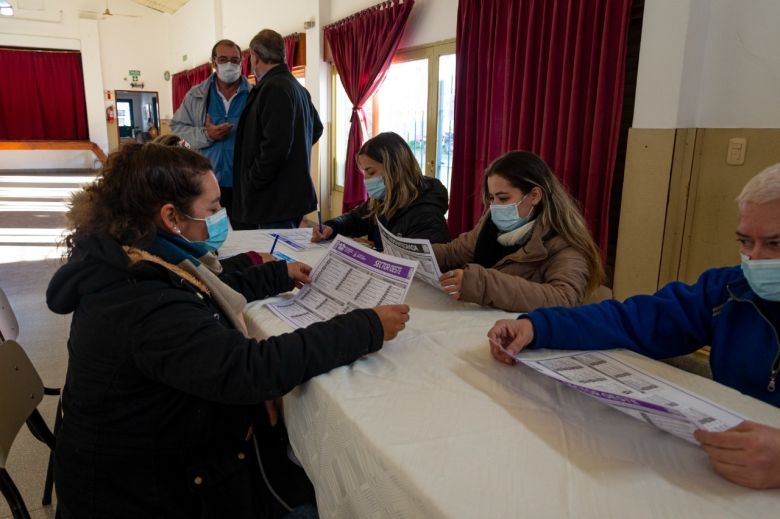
<point x="602" y="376"/>
<point x="349" y="276"/>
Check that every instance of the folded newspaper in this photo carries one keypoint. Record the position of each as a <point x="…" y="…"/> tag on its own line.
<point x="628" y="389"/>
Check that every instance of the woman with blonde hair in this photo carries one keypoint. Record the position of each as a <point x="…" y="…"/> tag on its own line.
<point x="406" y="203"/>
<point x="530" y="249"/>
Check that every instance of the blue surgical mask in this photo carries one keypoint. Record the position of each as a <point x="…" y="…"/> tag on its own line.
<point x="217" y="226"/>
<point x="506" y="217"/>
<point x="375" y="186"/>
<point x="763" y="276"/>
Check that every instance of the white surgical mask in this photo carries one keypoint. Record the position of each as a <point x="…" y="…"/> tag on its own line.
<point x="228" y="72"/>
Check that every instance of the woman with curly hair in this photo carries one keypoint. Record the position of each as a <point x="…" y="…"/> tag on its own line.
<point x="163" y="400"/>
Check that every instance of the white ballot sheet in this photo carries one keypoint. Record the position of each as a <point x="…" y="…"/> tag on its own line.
<point x="349" y="276"/>
<point x="632" y="391"/>
<point x="415" y="250"/>
<point x="296" y="239"/>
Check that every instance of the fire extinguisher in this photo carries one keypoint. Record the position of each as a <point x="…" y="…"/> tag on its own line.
<point x="110" y="114"/>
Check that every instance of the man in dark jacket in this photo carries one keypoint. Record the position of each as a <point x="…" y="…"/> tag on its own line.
<point x="272" y="181"/>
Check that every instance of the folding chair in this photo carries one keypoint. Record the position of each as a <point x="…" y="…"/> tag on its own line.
<point x="9" y="330"/>
<point x="21" y="390"/>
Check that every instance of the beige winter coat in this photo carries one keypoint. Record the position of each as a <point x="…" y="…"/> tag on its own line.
<point x="541" y="273"/>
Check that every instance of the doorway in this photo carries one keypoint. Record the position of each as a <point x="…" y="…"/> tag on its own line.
<point x="137" y="115"/>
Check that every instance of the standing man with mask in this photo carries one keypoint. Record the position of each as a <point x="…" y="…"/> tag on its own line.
<point x="273" y="186"/>
<point x="735" y="310"/>
<point x="209" y="114"/>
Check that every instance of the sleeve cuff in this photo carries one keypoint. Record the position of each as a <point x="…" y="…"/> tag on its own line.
<point x="254" y="257"/>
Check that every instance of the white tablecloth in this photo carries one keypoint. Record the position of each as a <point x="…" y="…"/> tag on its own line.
<point x="432" y="426"/>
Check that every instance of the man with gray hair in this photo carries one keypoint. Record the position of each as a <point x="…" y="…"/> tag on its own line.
<point x="736" y="310"/>
<point x="272" y="185"/>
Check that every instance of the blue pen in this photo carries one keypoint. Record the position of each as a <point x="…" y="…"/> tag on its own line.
<point x="319" y="220"/>
<point x="276" y="238"/>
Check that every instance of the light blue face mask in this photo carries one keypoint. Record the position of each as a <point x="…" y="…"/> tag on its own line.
<point x="506" y="217"/>
<point x="217" y="227"/>
<point x="763" y="276"/>
<point x="375" y="186"/>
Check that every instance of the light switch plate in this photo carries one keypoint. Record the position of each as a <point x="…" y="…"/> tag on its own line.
<point x="735" y="155"/>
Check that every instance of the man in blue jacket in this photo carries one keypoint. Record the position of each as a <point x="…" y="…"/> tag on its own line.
<point x="736" y="310"/>
<point x="209" y="113"/>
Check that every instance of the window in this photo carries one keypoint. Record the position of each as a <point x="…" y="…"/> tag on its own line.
<point x="416" y="100"/>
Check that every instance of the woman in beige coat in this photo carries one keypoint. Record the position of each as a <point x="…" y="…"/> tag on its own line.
<point x="532" y="247"/>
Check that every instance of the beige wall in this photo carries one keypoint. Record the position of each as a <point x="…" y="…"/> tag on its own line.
<point x="678" y="213"/>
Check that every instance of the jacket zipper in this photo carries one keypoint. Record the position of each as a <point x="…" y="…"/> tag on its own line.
<point x="776" y="364"/>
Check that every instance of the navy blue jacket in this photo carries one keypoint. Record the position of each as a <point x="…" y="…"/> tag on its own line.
<point x="719" y="310"/>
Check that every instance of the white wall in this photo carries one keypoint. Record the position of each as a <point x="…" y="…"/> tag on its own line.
<point x="430" y="20"/>
<point x="709" y="64"/>
<point x="109" y="48"/>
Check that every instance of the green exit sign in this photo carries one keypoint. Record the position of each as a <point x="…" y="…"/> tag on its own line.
<point x="134" y="74"/>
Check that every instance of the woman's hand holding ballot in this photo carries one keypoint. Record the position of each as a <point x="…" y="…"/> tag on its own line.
<point x="452" y="282"/>
<point x="299" y="272"/>
<point x="393" y="319"/>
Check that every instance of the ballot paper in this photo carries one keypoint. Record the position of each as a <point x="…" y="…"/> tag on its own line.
<point x="296" y="239"/>
<point x="413" y="249"/>
<point x="632" y="391"/>
<point x="347" y="277"/>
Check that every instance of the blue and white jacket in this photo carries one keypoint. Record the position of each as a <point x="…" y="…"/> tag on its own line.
<point x="720" y="309"/>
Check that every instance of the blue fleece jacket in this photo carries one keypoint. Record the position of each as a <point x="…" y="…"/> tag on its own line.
<point x="720" y="309"/>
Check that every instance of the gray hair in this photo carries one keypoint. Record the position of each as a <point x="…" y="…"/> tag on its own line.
<point x="763" y="188"/>
<point x="268" y="45"/>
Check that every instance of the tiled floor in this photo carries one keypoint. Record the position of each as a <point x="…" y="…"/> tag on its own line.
<point x="32" y="209"/>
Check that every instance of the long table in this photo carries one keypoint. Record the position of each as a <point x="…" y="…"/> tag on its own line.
<point x="433" y="426"/>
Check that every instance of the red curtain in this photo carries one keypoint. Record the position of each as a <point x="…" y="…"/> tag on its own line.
<point x="181" y="82"/>
<point x="246" y="65"/>
<point x="544" y="76"/>
<point x="363" y="46"/>
<point x="42" y="96"/>
<point x="290" y="43"/>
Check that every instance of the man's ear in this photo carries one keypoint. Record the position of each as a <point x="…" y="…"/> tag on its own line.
<point x="168" y="218"/>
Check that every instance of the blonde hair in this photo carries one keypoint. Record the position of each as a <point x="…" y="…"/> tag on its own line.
<point x="557" y="210"/>
<point x="762" y="188"/>
<point x="403" y="177"/>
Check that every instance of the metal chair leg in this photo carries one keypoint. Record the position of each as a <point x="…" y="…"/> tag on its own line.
<point x="49" y="484"/>
<point x="12" y="495"/>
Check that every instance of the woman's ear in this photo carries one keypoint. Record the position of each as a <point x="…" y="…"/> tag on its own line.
<point x="168" y="219"/>
<point x="536" y="195"/>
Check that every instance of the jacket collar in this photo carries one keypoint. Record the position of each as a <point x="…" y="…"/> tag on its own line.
<point x="279" y="69"/>
<point x="535" y="249"/>
<point x="740" y="289"/>
<point x="202" y="89"/>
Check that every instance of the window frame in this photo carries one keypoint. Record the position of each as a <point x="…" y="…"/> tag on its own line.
<point x="431" y="51"/>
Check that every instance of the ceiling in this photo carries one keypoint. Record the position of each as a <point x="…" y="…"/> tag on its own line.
<point x="164" y="6"/>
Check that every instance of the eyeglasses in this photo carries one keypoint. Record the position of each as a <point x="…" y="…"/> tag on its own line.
<point x="224" y="59"/>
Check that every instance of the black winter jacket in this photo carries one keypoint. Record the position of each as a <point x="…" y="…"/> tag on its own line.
<point x="272" y="158"/>
<point x="161" y="390"/>
<point x="423" y="218"/>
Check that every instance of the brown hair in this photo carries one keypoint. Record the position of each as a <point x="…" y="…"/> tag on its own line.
<point x="403" y="176"/>
<point x="557" y="210"/>
<point x="135" y="182"/>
